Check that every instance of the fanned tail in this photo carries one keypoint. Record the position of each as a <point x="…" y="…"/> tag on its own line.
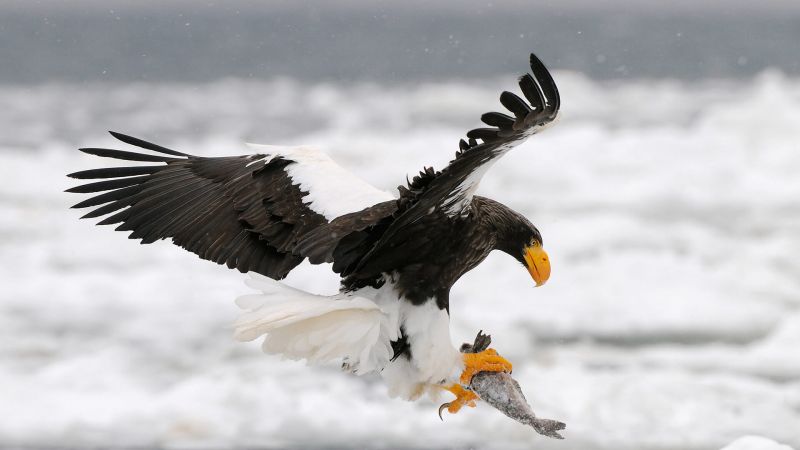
<point x="300" y="325"/>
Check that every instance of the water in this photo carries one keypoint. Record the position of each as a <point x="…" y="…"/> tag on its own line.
<point x="669" y="210"/>
<point x="392" y="41"/>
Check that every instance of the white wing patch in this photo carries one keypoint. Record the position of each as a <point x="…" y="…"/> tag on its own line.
<point x="332" y="190"/>
<point x="461" y="197"/>
<point x="457" y="203"/>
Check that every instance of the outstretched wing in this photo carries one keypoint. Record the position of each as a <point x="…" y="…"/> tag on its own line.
<point x="451" y="189"/>
<point x="434" y="197"/>
<point x="247" y="212"/>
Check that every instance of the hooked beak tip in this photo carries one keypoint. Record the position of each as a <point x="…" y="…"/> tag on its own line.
<point x="538" y="264"/>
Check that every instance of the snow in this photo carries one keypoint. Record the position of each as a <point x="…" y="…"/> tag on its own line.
<point x="671" y="319"/>
<point x="755" y="443"/>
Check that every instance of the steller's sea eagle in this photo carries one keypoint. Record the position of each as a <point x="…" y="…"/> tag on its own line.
<point x="397" y="257"/>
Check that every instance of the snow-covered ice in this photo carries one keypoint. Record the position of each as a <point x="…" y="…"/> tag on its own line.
<point x="670" y="210"/>
<point x="755" y="443"/>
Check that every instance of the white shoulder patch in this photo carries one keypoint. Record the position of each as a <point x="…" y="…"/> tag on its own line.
<point x="332" y="190"/>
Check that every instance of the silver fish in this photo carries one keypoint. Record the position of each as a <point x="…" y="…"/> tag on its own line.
<point x="502" y="392"/>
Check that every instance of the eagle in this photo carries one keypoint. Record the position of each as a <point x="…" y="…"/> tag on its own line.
<point x="397" y="255"/>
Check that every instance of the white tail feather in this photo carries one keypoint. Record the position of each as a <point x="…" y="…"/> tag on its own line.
<point x="301" y="325"/>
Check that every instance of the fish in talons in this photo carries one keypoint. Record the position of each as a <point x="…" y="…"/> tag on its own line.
<point x="501" y="391"/>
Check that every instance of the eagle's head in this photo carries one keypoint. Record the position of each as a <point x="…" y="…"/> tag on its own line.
<point x="520" y="239"/>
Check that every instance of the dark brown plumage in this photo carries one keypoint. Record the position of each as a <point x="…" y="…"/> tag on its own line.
<point x="249" y="218"/>
<point x="253" y="216"/>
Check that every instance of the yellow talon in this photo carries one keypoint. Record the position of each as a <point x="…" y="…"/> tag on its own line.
<point x="485" y="361"/>
<point x="464" y="397"/>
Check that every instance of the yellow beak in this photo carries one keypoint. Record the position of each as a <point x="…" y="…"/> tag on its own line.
<point x="538" y="263"/>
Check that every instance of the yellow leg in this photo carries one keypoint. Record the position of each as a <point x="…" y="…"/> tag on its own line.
<point x="485" y="361"/>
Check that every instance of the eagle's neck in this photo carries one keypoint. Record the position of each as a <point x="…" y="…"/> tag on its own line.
<point x="507" y="228"/>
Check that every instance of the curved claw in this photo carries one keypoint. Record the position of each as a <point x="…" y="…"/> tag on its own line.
<point x="442" y="408"/>
<point x="464" y="397"/>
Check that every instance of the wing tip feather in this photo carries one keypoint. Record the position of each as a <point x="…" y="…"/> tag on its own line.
<point x="145" y="144"/>
<point x="543" y="102"/>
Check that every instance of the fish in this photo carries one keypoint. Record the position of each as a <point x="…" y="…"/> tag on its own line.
<point x="501" y="391"/>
